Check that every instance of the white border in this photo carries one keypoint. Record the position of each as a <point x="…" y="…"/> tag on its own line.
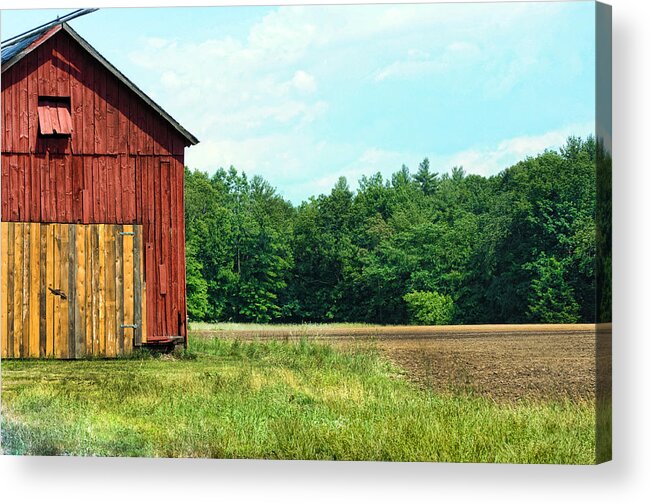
<point x="626" y="479"/>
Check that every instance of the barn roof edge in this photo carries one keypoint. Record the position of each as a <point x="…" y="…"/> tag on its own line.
<point x="39" y="38"/>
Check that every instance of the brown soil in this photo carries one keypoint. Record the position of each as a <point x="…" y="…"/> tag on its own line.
<point x="504" y="362"/>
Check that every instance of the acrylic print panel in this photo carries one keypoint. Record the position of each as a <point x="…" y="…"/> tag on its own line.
<point x="359" y="232"/>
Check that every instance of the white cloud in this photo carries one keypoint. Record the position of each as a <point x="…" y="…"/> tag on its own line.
<point x="236" y="77"/>
<point x="256" y="101"/>
<point x="419" y="63"/>
<point x="295" y="169"/>
<point x="304" y="82"/>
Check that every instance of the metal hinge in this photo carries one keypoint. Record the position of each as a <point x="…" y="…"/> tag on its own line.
<point x="128" y="233"/>
<point x="129" y="326"/>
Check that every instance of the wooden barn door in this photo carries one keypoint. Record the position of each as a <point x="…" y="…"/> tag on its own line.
<point x="71" y="290"/>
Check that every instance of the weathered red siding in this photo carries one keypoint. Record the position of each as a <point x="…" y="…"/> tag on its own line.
<point x="123" y="164"/>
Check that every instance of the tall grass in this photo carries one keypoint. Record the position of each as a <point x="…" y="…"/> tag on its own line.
<point x="252" y="327"/>
<point x="277" y="400"/>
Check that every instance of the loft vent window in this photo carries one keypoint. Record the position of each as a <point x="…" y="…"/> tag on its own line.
<point x="54" y="116"/>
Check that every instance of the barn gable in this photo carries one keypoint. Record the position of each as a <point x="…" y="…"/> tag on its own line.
<point x="66" y="53"/>
<point x="105" y="105"/>
<point x="88" y="161"/>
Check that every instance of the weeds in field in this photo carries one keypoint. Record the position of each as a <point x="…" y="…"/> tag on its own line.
<point x="273" y="399"/>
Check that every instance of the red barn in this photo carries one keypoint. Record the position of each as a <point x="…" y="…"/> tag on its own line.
<point x="93" y="240"/>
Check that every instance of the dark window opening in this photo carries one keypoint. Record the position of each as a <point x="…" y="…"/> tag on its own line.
<point x="54" y="116"/>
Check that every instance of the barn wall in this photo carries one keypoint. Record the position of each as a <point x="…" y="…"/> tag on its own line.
<point x="123" y="164"/>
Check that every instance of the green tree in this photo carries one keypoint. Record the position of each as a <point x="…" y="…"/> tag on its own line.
<point x="427" y="180"/>
<point x="551" y="298"/>
<point x="429" y="308"/>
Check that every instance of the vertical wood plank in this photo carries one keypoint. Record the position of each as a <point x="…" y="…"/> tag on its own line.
<point x="14" y="196"/>
<point x="94" y="292"/>
<point x="88" y="111"/>
<point x="58" y="180"/>
<point x="34" y="289"/>
<point x="41" y="77"/>
<point x="56" y="268"/>
<point x="43" y="290"/>
<point x="174" y="247"/>
<point x="119" y="290"/>
<point x="61" y="62"/>
<point x="102" y="214"/>
<point x="77" y="188"/>
<point x="67" y="178"/>
<point x="138" y="337"/>
<point x="20" y="195"/>
<point x="148" y="146"/>
<point x="123" y="121"/>
<point x="51" y="70"/>
<point x="87" y="195"/>
<point x="109" y="268"/>
<point x="77" y="103"/>
<point x="15" y="104"/>
<point x="35" y="166"/>
<point x="8" y="81"/>
<point x="161" y="248"/>
<point x="89" y="292"/>
<point x="127" y="298"/>
<point x="142" y="140"/>
<point x="72" y="290"/>
<point x="5" y="189"/>
<point x="143" y="297"/>
<point x="101" y="290"/>
<point x="164" y="224"/>
<point x="26" y="201"/>
<point x="100" y="111"/>
<point x="50" y="193"/>
<point x="18" y="289"/>
<point x="49" y="298"/>
<point x="181" y="230"/>
<point x="32" y="101"/>
<point x="112" y="117"/>
<point x="44" y="164"/>
<point x="138" y="183"/>
<point x="5" y="294"/>
<point x="119" y="187"/>
<point x="24" y="343"/>
<point x="94" y="181"/>
<point x="143" y="304"/>
<point x="125" y="197"/>
<point x="110" y="189"/>
<point x="22" y="110"/>
<point x="153" y="250"/>
<point x="133" y="127"/>
<point x="11" y="268"/>
<point x="80" y="292"/>
<point x="64" y="349"/>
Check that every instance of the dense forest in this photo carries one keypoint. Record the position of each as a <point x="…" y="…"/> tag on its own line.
<point x="422" y="247"/>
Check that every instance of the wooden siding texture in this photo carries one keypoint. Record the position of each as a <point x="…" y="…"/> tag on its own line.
<point x="122" y="164"/>
<point x="69" y="290"/>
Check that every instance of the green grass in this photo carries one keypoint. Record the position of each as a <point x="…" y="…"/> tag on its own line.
<point x="277" y="400"/>
<point x="249" y="327"/>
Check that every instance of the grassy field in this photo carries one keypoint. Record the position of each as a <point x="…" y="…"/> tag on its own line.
<point x="276" y="400"/>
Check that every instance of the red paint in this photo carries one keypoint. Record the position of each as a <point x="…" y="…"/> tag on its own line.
<point x="121" y="164"/>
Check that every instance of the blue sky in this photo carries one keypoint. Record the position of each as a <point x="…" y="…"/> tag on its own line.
<point x="303" y="95"/>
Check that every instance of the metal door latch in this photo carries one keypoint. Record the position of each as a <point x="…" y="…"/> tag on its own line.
<point x="58" y="292"/>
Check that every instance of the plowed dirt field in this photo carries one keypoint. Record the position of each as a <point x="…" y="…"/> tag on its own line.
<point x="505" y="362"/>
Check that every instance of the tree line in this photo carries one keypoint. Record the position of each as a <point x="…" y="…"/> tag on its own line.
<point x="422" y="247"/>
